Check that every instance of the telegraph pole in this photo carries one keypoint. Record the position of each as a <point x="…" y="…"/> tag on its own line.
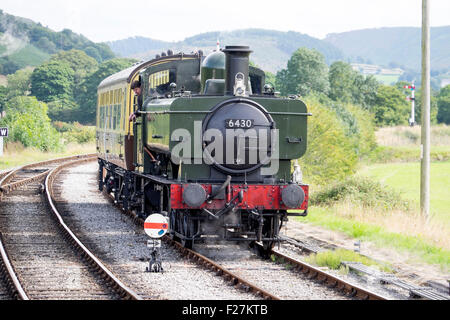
<point x="425" y="131"/>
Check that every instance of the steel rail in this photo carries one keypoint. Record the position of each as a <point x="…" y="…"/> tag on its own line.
<point x="99" y="267"/>
<point x="384" y="278"/>
<point x="6" y="188"/>
<point x="4" y="173"/>
<point x="332" y="281"/>
<point x="203" y="261"/>
<point x="13" y="284"/>
<point x="221" y="271"/>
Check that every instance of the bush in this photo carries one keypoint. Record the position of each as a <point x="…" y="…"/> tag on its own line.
<point x="365" y="141"/>
<point x="360" y="190"/>
<point x="75" y="132"/>
<point x="29" y="124"/>
<point x="390" y="107"/>
<point x="358" y="124"/>
<point x="330" y="155"/>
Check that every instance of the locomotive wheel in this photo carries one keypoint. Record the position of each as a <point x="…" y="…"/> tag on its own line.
<point x="264" y="251"/>
<point x="187" y="243"/>
<point x="271" y="229"/>
<point x="173" y="237"/>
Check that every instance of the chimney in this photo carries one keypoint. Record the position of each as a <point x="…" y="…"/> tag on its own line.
<point x="236" y="74"/>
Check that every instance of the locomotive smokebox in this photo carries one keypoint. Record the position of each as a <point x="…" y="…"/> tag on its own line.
<point x="236" y="76"/>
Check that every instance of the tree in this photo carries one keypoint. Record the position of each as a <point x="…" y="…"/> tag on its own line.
<point x="349" y="86"/>
<point x="390" y="107"/>
<point x="45" y="44"/>
<point x="306" y="71"/>
<point x="19" y="83"/>
<point x="52" y="81"/>
<point x="27" y="119"/>
<point x="3" y="93"/>
<point x="270" y="78"/>
<point x="80" y="63"/>
<point x="86" y="94"/>
<point x="365" y="90"/>
<point x="342" y="79"/>
<point x="93" y="53"/>
<point x="331" y="155"/>
<point x="8" y="66"/>
<point x="443" y="102"/>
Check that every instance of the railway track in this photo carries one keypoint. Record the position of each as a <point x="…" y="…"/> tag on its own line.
<point x="241" y="281"/>
<point x="231" y="278"/>
<point x="12" y="179"/>
<point x="327" y="279"/>
<point x="422" y="292"/>
<point x="41" y="257"/>
<point x="33" y="175"/>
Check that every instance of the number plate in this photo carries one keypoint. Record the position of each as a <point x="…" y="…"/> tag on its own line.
<point x="154" y="243"/>
<point x="239" y="123"/>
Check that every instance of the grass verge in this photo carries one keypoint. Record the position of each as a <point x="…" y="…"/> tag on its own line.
<point x="352" y="224"/>
<point x="16" y="155"/>
<point x="334" y="259"/>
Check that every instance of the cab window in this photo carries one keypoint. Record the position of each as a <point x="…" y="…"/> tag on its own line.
<point x="159" y="82"/>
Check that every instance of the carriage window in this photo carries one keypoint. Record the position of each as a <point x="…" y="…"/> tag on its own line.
<point x="116" y="96"/>
<point x="159" y="82"/>
<point x="115" y="117"/>
<point x="118" y="114"/>
<point x="110" y="118"/>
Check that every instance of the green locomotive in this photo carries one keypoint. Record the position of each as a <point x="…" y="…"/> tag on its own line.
<point x="211" y="150"/>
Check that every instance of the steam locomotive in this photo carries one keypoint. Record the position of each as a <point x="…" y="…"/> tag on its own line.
<point x="211" y="149"/>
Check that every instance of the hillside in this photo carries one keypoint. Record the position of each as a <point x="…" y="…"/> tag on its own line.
<point x="26" y="43"/>
<point x="271" y="49"/>
<point x="395" y="47"/>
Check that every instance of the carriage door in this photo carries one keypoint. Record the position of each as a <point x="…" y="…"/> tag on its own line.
<point x="139" y="143"/>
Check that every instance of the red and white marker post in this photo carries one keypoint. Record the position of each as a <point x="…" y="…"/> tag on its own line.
<point x="155" y="226"/>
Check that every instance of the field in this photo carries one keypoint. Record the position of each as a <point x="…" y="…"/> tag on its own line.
<point x="405" y="177"/>
<point x="404" y="230"/>
<point x="387" y="79"/>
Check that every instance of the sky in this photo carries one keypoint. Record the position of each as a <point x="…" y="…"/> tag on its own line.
<point x="175" y="20"/>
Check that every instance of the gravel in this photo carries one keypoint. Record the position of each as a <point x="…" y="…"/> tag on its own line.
<point x="363" y="281"/>
<point x="46" y="265"/>
<point x="121" y="245"/>
<point x="274" y="278"/>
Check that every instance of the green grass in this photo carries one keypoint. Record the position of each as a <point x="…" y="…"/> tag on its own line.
<point x="405" y="178"/>
<point x="20" y="157"/>
<point x="385" y="154"/>
<point x="334" y="259"/>
<point x="416" y="245"/>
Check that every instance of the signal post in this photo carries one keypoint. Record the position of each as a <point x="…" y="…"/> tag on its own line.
<point x="412" y="98"/>
<point x="3" y="134"/>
